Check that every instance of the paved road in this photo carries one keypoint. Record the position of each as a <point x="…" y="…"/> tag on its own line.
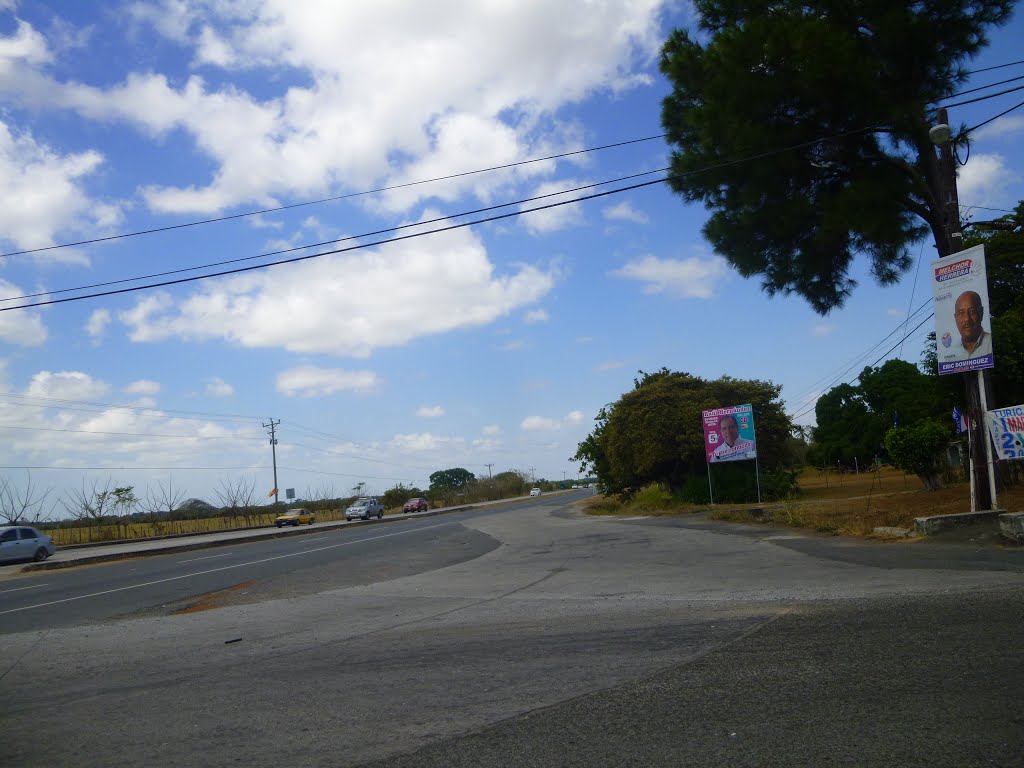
<point x="554" y="640"/>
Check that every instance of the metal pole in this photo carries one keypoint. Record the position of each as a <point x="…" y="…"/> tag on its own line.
<point x="970" y="468"/>
<point x="989" y="462"/>
<point x="273" y="451"/>
<point x="711" y="492"/>
<point x="757" y="477"/>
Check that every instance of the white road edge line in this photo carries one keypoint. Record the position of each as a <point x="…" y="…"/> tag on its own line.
<point x="18" y="589"/>
<point x="208" y="557"/>
<point x="215" y="570"/>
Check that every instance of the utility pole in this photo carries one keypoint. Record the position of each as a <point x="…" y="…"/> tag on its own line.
<point x="977" y="384"/>
<point x="273" y="450"/>
<point x="488" y="470"/>
<point x="533" y="476"/>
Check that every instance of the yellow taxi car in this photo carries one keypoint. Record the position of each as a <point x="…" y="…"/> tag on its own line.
<point x="295" y="517"/>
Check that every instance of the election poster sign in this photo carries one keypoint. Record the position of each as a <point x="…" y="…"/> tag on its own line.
<point x="1006" y="428"/>
<point x="963" y="329"/>
<point x="729" y="434"/>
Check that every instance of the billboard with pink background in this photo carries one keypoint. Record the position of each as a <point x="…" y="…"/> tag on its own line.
<point x="729" y="434"/>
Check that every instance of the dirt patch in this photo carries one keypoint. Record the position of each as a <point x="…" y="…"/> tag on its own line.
<point x="213" y="600"/>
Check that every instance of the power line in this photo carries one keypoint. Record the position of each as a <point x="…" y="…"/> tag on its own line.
<point x="359" y="246"/>
<point x="872" y="365"/>
<point x="1004" y="112"/>
<point x="113" y="406"/>
<point x="845" y="368"/>
<point x="980" y="88"/>
<point x="129" y="434"/>
<point x="997" y="66"/>
<point x="392" y="187"/>
<point x="374" y="233"/>
<point x="140" y="469"/>
<point x="981" y="98"/>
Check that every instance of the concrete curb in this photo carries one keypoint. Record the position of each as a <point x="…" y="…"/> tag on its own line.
<point x="259" y="534"/>
<point x="1011" y="526"/>
<point x="927" y="526"/>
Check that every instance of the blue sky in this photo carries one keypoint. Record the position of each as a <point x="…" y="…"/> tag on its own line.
<point x="493" y="344"/>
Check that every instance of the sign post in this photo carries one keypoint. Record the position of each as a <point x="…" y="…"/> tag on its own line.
<point x="729" y="436"/>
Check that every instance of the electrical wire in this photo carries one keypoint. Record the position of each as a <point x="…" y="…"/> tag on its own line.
<point x="982" y="98"/>
<point x="132" y="434"/>
<point x="986" y="122"/>
<point x="348" y="238"/>
<point x="839" y="373"/>
<point x="980" y="88"/>
<point x="330" y="199"/>
<point x="359" y="246"/>
<point x="997" y="66"/>
<point x="811" y="406"/>
<point x="146" y="411"/>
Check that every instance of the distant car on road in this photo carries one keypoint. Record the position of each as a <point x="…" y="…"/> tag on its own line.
<point x="23" y="542"/>
<point x="535" y="492"/>
<point x="364" y="509"/>
<point x="418" y="504"/>
<point x="295" y="517"/>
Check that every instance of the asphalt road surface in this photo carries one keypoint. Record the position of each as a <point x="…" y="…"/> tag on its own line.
<point x="527" y="635"/>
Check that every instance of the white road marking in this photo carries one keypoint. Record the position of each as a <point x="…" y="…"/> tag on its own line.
<point x="315" y="538"/>
<point x="18" y="589"/>
<point x="215" y="570"/>
<point x="208" y="557"/>
<point x="627" y="519"/>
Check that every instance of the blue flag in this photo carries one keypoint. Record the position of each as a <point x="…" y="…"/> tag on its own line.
<point x="960" y="420"/>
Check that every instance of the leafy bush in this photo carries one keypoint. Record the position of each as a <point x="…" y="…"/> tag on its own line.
<point x="737" y="484"/>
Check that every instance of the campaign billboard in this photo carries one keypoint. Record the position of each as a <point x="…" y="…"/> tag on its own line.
<point x="1006" y="428"/>
<point x="729" y="434"/>
<point x="963" y="330"/>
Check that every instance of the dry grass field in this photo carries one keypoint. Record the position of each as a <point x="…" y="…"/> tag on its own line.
<point x="133" y="531"/>
<point x="848" y="505"/>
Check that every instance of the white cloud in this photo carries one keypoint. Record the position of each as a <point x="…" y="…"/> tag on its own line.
<point x="536" y="316"/>
<point x="486" y="444"/>
<point x="25" y="45"/>
<point x="430" y="411"/>
<point x="142" y="387"/>
<point x="1002" y="128"/>
<point x="468" y="95"/>
<point x="690" y="278"/>
<point x="893" y="312"/>
<point x="97" y="324"/>
<point x="310" y="381"/>
<point x="822" y="329"/>
<point x="297" y="308"/>
<point x="217" y="387"/>
<point x="20" y="326"/>
<point x="512" y="346"/>
<point x="609" y="365"/>
<point x="541" y="222"/>
<point x="624" y="211"/>
<point x="984" y="180"/>
<point x="43" y="195"/>
<point x="544" y="424"/>
<point x="491" y="429"/>
<point x="66" y="385"/>
<point x="415" y="443"/>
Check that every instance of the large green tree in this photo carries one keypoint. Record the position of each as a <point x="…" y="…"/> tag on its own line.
<point x="654" y="433"/>
<point x="830" y="99"/>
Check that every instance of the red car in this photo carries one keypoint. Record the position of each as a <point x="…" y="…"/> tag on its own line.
<point x="416" y="505"/>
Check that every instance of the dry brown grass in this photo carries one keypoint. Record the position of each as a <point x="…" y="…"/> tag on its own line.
<point x="135" y="531"/>
<point x="848" y="505"/>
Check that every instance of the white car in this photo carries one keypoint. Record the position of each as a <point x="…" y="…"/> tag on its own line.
<point x="24" y="543"/>
<point x="535" y="492"/>
<point x="364" y="509"/>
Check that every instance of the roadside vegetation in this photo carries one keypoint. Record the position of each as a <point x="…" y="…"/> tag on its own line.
<point x="839" y="503"/>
